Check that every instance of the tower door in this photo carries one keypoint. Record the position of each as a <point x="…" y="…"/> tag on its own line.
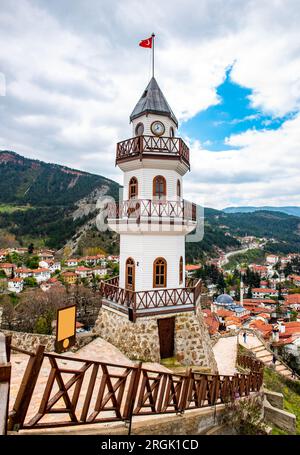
<point x="166" y="329"/>
<point x="130" y="274"/>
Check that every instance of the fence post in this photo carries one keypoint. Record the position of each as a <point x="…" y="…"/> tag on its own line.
<point x="131" y="395"/>
<point x="5" y="375"/>
<point x="26" y="389"/>
<point x="186" y="389"/>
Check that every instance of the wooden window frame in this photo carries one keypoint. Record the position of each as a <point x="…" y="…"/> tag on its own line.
<point x="164" y="194"/>
<point x="131" y="185"/>
<point x="178" y="189"/>
<point x="181" y="270"/>
<point x="164" y="285"/>
<point x="133" y="274"/>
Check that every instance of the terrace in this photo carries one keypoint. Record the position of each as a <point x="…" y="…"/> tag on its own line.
<point x="151" y="302"/>
<point x="153" y="147"/>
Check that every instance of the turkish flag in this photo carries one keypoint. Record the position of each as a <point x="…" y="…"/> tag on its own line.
<point x="146" y="43"/>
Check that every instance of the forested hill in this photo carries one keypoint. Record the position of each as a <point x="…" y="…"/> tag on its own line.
<point x="46" y="203"/>
<point x="28" y="181"/>
<point x="51" y="205"/>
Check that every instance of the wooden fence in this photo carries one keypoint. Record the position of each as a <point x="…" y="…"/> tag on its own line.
<point x="5" y="373"/>
<point x="59" y="391"/>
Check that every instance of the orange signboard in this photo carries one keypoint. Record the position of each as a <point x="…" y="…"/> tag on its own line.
<point x="65" y="328"/>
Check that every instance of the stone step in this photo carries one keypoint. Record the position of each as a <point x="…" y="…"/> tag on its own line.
<point x="280" y="367"/>
<point x="285" y="372"/>
<point x="262" y="354"/>
<point x="258" y="348"/>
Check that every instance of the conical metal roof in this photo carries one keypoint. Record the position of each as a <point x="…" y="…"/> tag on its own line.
<point x="153" y="101"/>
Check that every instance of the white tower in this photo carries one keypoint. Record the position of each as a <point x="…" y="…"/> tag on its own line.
<point x="153" y="218"/>
<point x="150" y="311"/>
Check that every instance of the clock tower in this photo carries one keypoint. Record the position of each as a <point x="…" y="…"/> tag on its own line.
<point x="151" y="293"/>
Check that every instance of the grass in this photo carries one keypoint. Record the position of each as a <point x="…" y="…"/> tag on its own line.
<point x="254" y="255"/>
<point x="291" y="395"/>
<point x="7" y="208"/>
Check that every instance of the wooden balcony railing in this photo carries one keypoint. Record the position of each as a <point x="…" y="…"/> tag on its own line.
<point x="142" y="145"/>
<point x="147" y="208"/>
<point x="58" y="390"/>
<point x="152" y="301"/>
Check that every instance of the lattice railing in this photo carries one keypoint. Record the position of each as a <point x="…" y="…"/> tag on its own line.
<point x="168" y="146"/>
<point x="58" y="390"/>
<point x="146" y="208"/>
<point x="143" y="301"/>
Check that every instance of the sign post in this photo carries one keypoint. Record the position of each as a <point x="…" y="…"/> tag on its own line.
<point x="65" y="328"/>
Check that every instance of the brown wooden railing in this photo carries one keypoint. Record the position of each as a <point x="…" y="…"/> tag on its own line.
<point x="143" y="302"/>
<point x="58" y="390"/>
<point x="147" y="208"/>
<point x="5" y="373"/>
<point x="145" y="145"/>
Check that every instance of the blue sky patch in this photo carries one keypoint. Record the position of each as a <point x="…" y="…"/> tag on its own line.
<point x="233" y="115"/>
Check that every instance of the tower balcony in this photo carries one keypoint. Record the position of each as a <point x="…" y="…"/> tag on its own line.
<point x="145" y="209"/>
<point x="150" y="302"/>
<point x="172" y="148"/>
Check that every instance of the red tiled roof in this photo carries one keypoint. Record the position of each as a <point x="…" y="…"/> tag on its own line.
<point x="7" y="265"/>
<point x="212" y="324"/>
<point x="292" y="299"/>
<point x="16" y="280"/>
<point x="191" y="267"/>
<point x="82" y="269"/>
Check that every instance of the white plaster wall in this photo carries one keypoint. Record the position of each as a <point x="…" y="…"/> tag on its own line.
<point x="147" y="120"/>
<point x="144" y="249"/>
<point x="145" y="178"/>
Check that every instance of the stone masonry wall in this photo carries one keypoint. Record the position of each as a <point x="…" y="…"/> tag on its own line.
<point x="140" y="340"/>
<point x="30" y="341"/>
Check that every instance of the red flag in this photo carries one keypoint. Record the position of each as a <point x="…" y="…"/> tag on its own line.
<point x="146" y="43"/>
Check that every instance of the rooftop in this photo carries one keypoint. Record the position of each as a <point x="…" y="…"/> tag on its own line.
<point x="153" y="101"/>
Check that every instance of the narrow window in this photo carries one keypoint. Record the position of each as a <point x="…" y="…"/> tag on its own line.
<point x="160" y="273"/>
<point x="159" y="187"/>
<point x="178" y="189"/>
<point x="130" y="274"/>
<point x="133" y="188"/>
<point x="181" y="270"/>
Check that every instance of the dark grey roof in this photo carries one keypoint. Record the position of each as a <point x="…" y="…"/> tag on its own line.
<point x="153" y="101"/>
<point x="224" y="299"/>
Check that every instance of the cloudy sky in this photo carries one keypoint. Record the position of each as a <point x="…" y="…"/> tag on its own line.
<point x="71" y="72"/>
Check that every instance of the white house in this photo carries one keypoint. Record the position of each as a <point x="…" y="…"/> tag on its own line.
<point x="99" y="271"/>
<point x="15" y="285"/>
<point x="272" y="259"/>
<point x="41" y="274"/>
<point x="53" y="266"/>
<point x="72" y="262"/>
<point x="83" y="272"/>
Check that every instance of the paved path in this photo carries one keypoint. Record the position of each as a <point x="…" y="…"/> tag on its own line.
<point x="225" y="351"/>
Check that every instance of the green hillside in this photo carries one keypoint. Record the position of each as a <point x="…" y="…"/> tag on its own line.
<point x="37" y="202"/>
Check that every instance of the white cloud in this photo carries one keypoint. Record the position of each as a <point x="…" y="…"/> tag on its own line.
<point x="74" y="72"/>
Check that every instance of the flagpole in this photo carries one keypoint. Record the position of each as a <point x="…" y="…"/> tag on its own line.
<point x="153" y="36"/>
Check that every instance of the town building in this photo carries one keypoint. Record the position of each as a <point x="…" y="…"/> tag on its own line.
<point x="15" y="285"/>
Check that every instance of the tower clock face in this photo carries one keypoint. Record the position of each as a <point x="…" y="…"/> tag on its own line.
<point x="157" y="128"/>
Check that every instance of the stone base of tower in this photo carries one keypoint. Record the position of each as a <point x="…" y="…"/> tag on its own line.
<point x="141" y="341"/>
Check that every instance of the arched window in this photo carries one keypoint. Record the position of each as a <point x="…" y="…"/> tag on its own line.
<point x="178" y="189"/>
<point x="159" y="187"/>
<point x="172" y="134"/>
<point x="180" y="270"/>
<point x="130" y="274"/>
<point x="139" y="129"/>
<point x="133" y="188"/>
<point x="160" y="273"/>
